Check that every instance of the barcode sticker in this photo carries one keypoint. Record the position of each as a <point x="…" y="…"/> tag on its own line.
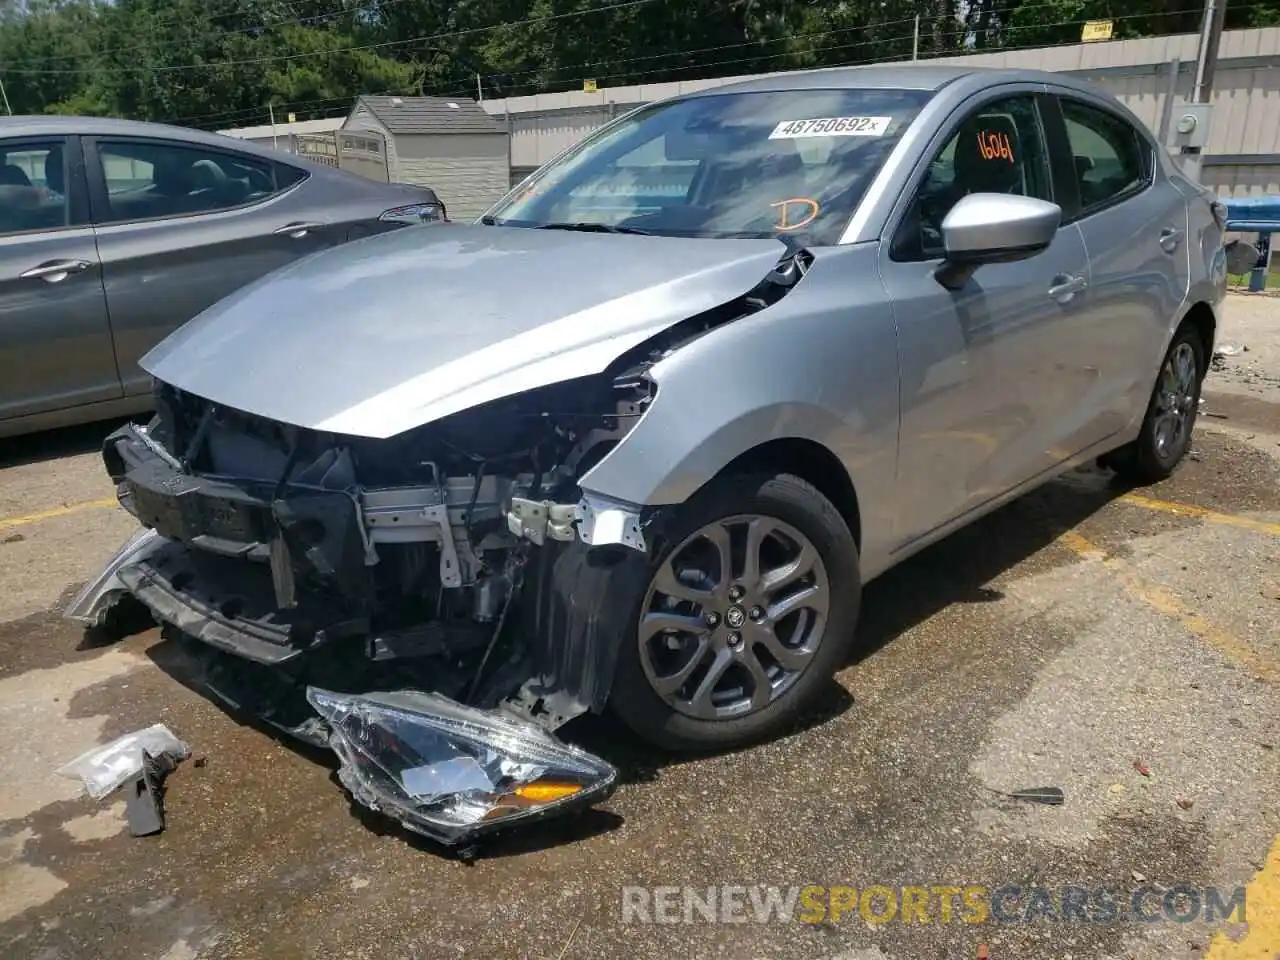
<point x="831" y="127"/>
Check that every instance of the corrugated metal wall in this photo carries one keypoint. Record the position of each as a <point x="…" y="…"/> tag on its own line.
<point x="1246" y="125"/>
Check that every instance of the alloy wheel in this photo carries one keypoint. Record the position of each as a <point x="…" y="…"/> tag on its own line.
<point x="1175" y="403"/>
<point x="733" y="617"/>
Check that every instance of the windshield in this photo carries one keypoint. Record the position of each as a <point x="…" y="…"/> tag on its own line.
<point x="768" y="164"/>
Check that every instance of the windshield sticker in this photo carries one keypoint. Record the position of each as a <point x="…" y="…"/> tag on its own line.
<point x="994" y="145"/>
<point x="795" y="213"/>
<point x="831" y="127"/>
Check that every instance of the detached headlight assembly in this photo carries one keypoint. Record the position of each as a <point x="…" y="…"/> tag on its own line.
<point x="415" y="213"/>
<point x="453" y="772"/>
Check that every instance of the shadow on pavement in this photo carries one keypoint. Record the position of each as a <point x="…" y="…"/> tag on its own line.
<point x="960" y="568"/>
<point x="56" y="444"/>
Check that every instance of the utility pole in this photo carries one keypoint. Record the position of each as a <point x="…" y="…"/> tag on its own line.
<point x="1215" y="16"/>
<point x="271" y="112"/>
<point x="479" y="90"/>
<point x="915" y="40"/>
<point x="5" y="97"/>
<point x="1192" y="127"/>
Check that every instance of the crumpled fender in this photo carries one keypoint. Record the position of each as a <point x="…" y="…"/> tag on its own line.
<point x="98" y="595"/>
<point x="819" y="365"/>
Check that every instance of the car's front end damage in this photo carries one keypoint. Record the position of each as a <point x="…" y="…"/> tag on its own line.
<point x="357" y="563"/>
<point x="459" y="559"/>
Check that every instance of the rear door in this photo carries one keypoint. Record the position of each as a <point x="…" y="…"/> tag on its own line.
<point x="1134" y="225"/>
<point x="180" y="226"/>
<point x="55" y="339"/>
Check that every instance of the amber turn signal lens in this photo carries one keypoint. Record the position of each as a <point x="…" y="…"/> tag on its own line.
<point x="546" y="791"/>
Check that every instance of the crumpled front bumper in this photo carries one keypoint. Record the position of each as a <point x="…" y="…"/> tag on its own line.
<point x="224" y="560"/>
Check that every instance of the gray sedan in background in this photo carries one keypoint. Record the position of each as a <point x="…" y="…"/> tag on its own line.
<point x="668" y="406"/>
<point x="113" y="233"/>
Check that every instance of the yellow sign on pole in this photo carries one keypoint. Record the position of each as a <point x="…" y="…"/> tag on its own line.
<point x="293" y="118"/>
<point x="1097" y="30"/>
<point x="589" y="86"/>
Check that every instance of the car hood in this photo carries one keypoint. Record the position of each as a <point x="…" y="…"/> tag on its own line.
<point x="378" y="336"/>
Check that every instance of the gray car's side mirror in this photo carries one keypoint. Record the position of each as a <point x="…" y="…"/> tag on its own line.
<point x="994" y="228"/>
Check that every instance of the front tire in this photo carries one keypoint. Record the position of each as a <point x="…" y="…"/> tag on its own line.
<point x="749" y="609"/>
<point x="1165" y="436"/>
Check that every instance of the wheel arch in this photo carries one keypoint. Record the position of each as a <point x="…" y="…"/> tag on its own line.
<point x="1201" y="317"/>
<point x="812" y="462"/>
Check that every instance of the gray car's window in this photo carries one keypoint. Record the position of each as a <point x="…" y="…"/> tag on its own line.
<point x="998" y="148"/>
<point x="763" y="164"/>
<point x="146" y="179"/>
<point x="1108" y="155"/>
<point x="33" y="193"/>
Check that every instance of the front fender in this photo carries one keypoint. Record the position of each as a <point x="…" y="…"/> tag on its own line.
<point x="689" y="452"/>
<point x="819" y="365"/>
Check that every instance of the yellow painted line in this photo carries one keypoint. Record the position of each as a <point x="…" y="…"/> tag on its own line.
<point x="7" y="523"/>
<point x="1164" y="602"/>
<point x="1262" y="915"/>
<point x="1201" y="513"/>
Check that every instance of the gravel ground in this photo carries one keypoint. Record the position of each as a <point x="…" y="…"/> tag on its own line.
<point x="1067" y="640"/>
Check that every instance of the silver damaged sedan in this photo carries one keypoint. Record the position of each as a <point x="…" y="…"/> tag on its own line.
<point x="636" y="439"/>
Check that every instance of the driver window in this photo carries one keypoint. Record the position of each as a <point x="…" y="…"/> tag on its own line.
<point x="1000" y="148"/>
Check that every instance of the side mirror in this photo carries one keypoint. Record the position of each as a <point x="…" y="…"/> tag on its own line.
<point x="994" y="228"/>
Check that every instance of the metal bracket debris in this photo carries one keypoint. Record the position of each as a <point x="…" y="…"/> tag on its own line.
<point x="603" y="522"/>
<point x="539" y="520"/>
<point x="548" y="710"/>
<point x="144" y="795"/>
<point x="450" y="572"/>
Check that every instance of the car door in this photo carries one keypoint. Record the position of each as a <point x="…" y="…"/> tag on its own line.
<point x="1134" y="225"/>
<point x="55" y="339"/>
<point x="979" y="380"/>
<point x="180" y="226"/>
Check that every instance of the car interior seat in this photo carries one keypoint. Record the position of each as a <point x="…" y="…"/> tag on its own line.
<point x="988" y="157"/>
<point x="12" y="175"/>
<point x="53" y="173"/>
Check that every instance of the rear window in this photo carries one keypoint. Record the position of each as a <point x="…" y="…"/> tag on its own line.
<point x="287" y="176"/>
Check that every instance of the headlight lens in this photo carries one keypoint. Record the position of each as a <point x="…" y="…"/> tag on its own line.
<point x="415" y="213"/>
<point x="450" y="771"/>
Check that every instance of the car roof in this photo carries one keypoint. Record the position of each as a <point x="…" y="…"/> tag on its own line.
<point x="895" y="76"/>
<point x="23" y="126"/>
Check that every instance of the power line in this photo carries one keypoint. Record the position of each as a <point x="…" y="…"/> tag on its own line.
<point x="877" y="42"/>
<point x="705" y="66"/>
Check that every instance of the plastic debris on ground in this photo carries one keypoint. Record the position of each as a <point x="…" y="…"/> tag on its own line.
<point x="144" y="794"/>
<point x="453" y="772"/>
<point x="105" y="768"/>
<point x="1050" y="796"/>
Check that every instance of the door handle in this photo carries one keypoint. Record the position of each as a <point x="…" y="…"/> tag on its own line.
<point x="55" y="270"/>
<point x="1065" y="286"/>
<point x="297" y="230"/>
<point x="1169" y="239"/>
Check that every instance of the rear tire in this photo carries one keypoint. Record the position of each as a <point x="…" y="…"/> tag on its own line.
<point x="769" y="635"/>
<point x="1165" y="436"/>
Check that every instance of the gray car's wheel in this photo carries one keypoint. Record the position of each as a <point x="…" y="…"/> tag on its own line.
<point x="749" y="609"/>
<point x="1165" y="436"/>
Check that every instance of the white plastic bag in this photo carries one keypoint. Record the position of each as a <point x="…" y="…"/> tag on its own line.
<point x="105" y="768"/>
